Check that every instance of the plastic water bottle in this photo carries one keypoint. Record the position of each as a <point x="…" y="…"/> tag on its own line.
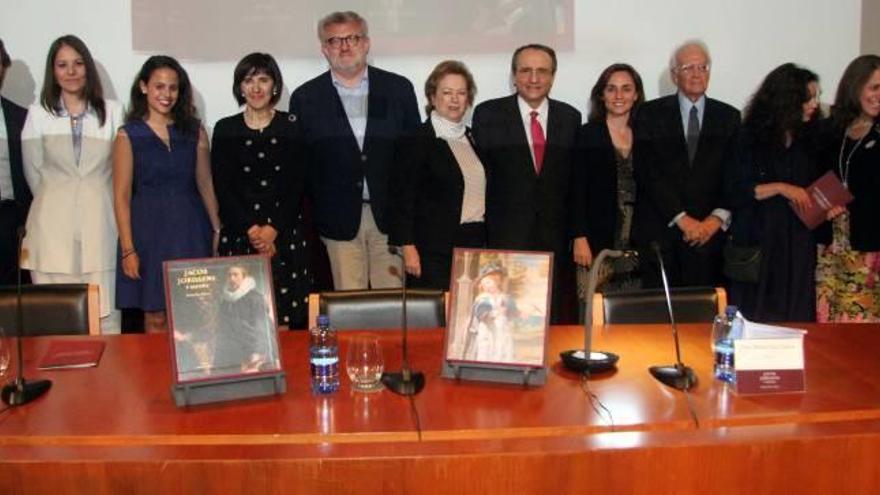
<point x="722" y="343"/>
<point x="324" y="357"/>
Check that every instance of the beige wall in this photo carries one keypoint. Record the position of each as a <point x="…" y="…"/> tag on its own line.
<point x="870" y="26"/>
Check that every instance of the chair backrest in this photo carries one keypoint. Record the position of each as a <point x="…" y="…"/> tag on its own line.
<point x="379" y="308"/>
<point x="52" y="309"/>
<point x="690" y="304"/>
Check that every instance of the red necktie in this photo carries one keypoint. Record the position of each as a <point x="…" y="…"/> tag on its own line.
<point x="538" y="142"/>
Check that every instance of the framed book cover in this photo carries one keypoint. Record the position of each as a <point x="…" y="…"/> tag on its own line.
<point x="499" y="310"/>
<point x="221" y="319"/>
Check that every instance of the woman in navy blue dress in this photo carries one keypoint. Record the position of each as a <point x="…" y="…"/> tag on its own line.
<point x="163" y="194"/>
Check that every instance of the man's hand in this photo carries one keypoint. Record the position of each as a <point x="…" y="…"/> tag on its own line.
<point x="708" y="227"/>
<point x="691" y="229"/>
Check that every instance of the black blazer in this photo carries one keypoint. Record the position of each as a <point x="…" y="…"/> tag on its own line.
<point x="336" y="166"/>
<point x="864" y="182"/>
<point x="427" y="190"/>
<point x="15" y="116"/>
<point x="525" y="210"/>
<point x="666" y="183"/>
<point x="595" y="186"/>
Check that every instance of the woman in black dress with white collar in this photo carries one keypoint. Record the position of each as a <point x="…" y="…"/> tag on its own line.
<point x="259" y="178"/>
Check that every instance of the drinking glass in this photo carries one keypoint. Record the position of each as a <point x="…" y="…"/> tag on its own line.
<point x="364" y="363"/>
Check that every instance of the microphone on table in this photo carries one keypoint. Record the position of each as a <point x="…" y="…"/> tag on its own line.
<point x="406" y="381"/>
<point x="677" y="376"/>
<point x="587" y="359"/>
<point x="21" y="391"/>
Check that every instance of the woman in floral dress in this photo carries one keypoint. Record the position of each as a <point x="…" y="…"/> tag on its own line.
<point x="847" y="285"/>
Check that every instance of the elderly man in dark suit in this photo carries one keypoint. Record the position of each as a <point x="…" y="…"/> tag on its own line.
<point x="682" y="142"/>
<point x="350" y="117"/>
<point x="15" y="196"/>
<point x="527" y="141"/>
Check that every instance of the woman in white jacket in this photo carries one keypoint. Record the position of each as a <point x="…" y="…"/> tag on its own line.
<point x="66" y="145"/>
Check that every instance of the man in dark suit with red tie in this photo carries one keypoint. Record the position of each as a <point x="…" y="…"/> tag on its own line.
<point x="15" y="196"/>
<point x="350" y="117"/>
<point x="682" y="143"/>
<point x="527" y="143"/>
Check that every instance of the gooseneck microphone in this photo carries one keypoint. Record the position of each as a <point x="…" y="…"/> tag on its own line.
<point x="21" y="391"/>
<point x="677" y="376"/>
<point x="589" y="360"/>
<point x="406" y="381"/>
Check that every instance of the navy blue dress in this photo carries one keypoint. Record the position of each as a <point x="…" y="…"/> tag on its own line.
<point x="168" y="217"/>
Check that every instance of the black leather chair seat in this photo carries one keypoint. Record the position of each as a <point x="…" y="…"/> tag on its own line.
<point x="380" y="308"/>
<point x="50" y="309"/>
<point x="690" y="305"/>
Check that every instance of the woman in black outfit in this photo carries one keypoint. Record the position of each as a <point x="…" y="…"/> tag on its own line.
<point x="258" y="178"/>
<point x="775" y="161"/>
<point x="605" y="190"/>
<point x="439" y="183"/>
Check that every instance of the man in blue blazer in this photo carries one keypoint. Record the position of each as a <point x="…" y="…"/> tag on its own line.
<point x="682" y="143"/>
<point x="350" y="117"/>
<point x="15" y="196"/>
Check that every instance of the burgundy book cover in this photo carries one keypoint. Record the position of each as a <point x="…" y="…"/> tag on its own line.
<point x="826" y="193"/>
<point x="65" y="354"/>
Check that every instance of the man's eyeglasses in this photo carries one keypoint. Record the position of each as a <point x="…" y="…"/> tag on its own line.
<point x="350" y="40"/>
<point x="690" y="68"/>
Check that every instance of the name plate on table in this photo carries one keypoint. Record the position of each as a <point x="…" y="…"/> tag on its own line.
<point x="769" y="360"/>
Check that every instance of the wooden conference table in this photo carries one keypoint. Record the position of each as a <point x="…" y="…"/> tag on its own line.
<point x="115" y="429"/>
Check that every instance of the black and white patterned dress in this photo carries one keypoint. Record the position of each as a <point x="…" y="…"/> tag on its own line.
<point x="259" y="178"/>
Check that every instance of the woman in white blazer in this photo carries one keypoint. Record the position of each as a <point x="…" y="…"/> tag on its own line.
<point x="66" y="146"/>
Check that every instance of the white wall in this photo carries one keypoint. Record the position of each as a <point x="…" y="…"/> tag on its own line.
<point x="747" y="39"/>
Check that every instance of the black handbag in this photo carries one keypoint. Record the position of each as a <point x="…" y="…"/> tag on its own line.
<point x="742" y="263"/>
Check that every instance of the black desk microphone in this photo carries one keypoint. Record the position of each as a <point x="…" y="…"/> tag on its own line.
<point x="21" y="391"/>
<point x="405" y="381"/>
<point x="677" y="376"/>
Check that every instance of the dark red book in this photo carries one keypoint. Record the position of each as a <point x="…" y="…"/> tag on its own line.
<point x="826" y="193"/>
<point x="67" y="354"/>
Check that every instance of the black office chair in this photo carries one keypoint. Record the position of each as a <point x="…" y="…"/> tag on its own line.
<point x="690" y="304"/>
<point x="379" y="308"/>
<point x="52" y="309"/>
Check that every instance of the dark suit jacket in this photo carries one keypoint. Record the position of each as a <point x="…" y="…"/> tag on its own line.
<point x="336" y="166"/>
<point x="595" y="186"/>
<point x="525" y="210"/>
<point x="667" y="183"/>
<point x="15" y="117"/>
<point x="427" y="190"/>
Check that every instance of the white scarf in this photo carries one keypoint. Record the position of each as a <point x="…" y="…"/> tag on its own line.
<point x="447" y="129"/>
